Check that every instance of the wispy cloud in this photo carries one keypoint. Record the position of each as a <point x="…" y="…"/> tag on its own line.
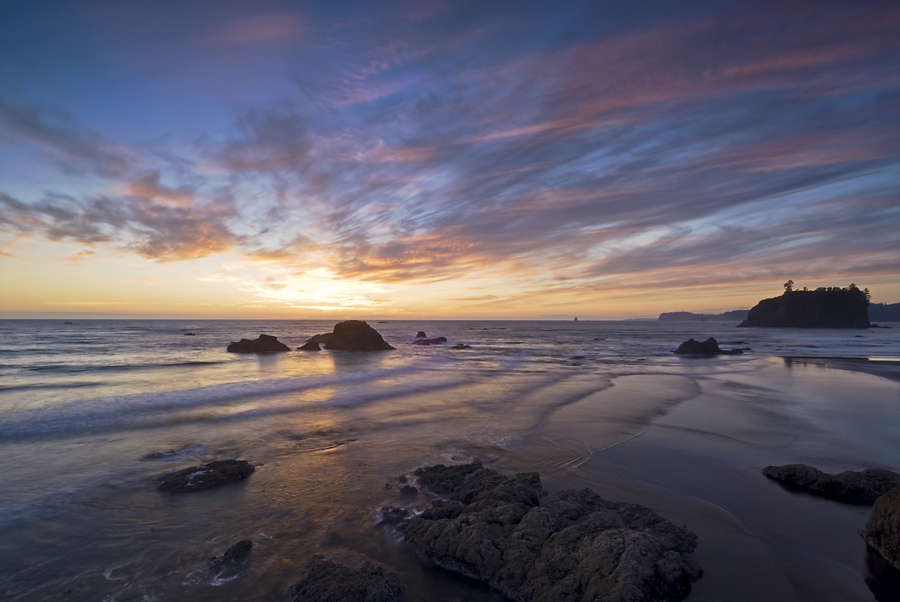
<point x="563" y="155"/>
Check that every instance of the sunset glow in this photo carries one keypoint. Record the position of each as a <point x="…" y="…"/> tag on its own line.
<point x="445" y="159"/>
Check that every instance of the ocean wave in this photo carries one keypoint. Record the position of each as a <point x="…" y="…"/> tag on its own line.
<point x="103" y="413"/>
<point x="80" y="368"/>
<point x="41" y="386"/>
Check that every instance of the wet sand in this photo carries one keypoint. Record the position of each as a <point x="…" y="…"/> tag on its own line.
<point x="696" y="458"/>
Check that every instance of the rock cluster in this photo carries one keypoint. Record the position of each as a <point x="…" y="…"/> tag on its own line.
<point x="352" y="335"/>
<point x="860" y="487"/>
<point x="708" y="347"/>
<point x="883" y="529"/>
<point x="575" y="546"/>
<point x="327" y="581"/>
<point x="266" y="343"/>
<point x="206" y="476"/>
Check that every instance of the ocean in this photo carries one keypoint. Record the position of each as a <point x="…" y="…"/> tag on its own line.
<point x="93" y="412"/>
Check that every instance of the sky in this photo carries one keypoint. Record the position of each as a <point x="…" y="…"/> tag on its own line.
<point x="443" y="159"/>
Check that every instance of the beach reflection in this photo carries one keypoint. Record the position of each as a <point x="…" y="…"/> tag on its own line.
<point x="882" y="578"/>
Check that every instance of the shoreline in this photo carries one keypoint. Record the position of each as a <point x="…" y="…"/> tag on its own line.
<point x="886" y="368"/>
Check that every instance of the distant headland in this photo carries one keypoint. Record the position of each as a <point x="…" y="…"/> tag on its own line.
<point x="685" y="316"/>
<point x="825" y="307"/>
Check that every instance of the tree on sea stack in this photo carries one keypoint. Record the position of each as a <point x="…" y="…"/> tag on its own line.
<point x="789" y="286"/>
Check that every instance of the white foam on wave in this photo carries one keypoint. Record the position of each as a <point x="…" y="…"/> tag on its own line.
<point x="94" y="414"/>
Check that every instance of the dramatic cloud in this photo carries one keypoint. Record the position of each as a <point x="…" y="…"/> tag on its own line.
<point x="565" y="151"/>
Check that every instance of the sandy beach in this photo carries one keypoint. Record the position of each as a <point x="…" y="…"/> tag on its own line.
<point x="331" y="433"/>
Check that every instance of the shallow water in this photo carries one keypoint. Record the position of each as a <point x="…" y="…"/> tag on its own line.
<point x="92" y="413"/>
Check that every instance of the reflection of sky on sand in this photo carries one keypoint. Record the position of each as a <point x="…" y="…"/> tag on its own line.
<point x="699" y="464"/>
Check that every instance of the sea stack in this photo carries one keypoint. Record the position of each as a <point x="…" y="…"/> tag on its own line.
<point x="831" y="307"/>
<point x="352" y="335"/>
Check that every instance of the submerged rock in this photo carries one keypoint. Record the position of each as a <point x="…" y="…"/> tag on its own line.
<point x="426" y="341"/>
<point x="265" y="343"/>
<point x="327" y="581"/>
<point x="883" y="529"/>
<point x="352" y="335"/>
<point x="861" y="487"/>
<point x="236" y="553"/>
<point x="461" y="346"/>
<point x="708" y="347"/>
<point x="206" y="476"/>
<point x="576" y="546"/>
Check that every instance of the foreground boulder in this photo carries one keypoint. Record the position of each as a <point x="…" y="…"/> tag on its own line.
<point x="708" y="347"/>
<point x="883" y="529"/>
<point x="860" y="487"/>
<point x="266" y="343"/>
<point x="206" y="476"/>
<point x="352" y="335"/>
<point x="576" y="546"/>
<point x="327" y="581"/>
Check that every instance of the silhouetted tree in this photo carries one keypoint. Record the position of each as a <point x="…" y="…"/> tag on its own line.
<point x="788" y="286"/>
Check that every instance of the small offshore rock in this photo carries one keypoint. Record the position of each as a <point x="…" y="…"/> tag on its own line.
<point x="327" y="581"/>
<point x="206" y="476"/>
<point x="265" y="343"/>
<point x="708" y="347"/>
<point x="421" y="335"/>
<point x="860" y="487"/>
<point x="310" y="345"/>
<point x="189" y="334"/>
<point x="235" y="553"/>
<point x="883" y="529"/>
<point x="408" y="490"/>
<point x="461" y="346"/>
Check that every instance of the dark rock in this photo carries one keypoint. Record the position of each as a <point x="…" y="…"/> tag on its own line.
<point x="576" y="546"/>
<point x="408" y="490"/>
<point x="421" y="335"/>
<point x="461" y="346"/>
<point x="392" y="515"/>
<point x="822" y="308"/>
<point x="860" y="487"/>
<point x="236" y="553"/>
<point x="206" y="476"/>
<point x="352" y="335"/>
<point x="708" y="347"/>
<point x="189" y="334"/>
<point x="310" y="345"/>
<point x="266" y="343"/>
<point x="327" y="581"/>
<point x="434" y="341"/>
<point x="69" y="323"/>
<point x="883" y="529"/>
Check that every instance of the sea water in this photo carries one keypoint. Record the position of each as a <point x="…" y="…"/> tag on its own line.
<point x="92" y="413"/>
